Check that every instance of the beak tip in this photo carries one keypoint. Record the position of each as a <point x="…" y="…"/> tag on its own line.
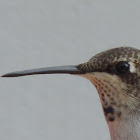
<point x="8" y="75"/>
<point x="5" y="75"/>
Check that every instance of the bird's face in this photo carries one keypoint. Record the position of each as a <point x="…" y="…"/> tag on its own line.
<point x="116" y="75"/>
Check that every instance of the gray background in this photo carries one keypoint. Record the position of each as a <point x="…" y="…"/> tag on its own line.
<point x="40" y="33"/>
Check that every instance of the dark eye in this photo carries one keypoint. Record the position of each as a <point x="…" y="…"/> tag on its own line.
<point x="122" y="68"/>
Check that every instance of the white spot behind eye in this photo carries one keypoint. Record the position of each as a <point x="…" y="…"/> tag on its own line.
<point x="132" y="67"/>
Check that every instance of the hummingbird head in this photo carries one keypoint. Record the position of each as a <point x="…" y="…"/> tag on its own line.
<point x="116" y="75"/>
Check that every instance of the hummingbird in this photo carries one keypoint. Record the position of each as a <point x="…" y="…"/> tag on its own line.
<point x="115" y="73"/>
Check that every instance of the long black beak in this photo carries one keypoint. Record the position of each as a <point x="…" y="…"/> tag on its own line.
<point x="48" y="70"/>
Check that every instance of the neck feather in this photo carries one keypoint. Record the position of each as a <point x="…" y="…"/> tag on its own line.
<point x="125" y="130"/>
<point x="121" y="109"/>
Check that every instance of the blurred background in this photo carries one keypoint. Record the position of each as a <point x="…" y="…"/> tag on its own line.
<point x="41" y="33"/>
